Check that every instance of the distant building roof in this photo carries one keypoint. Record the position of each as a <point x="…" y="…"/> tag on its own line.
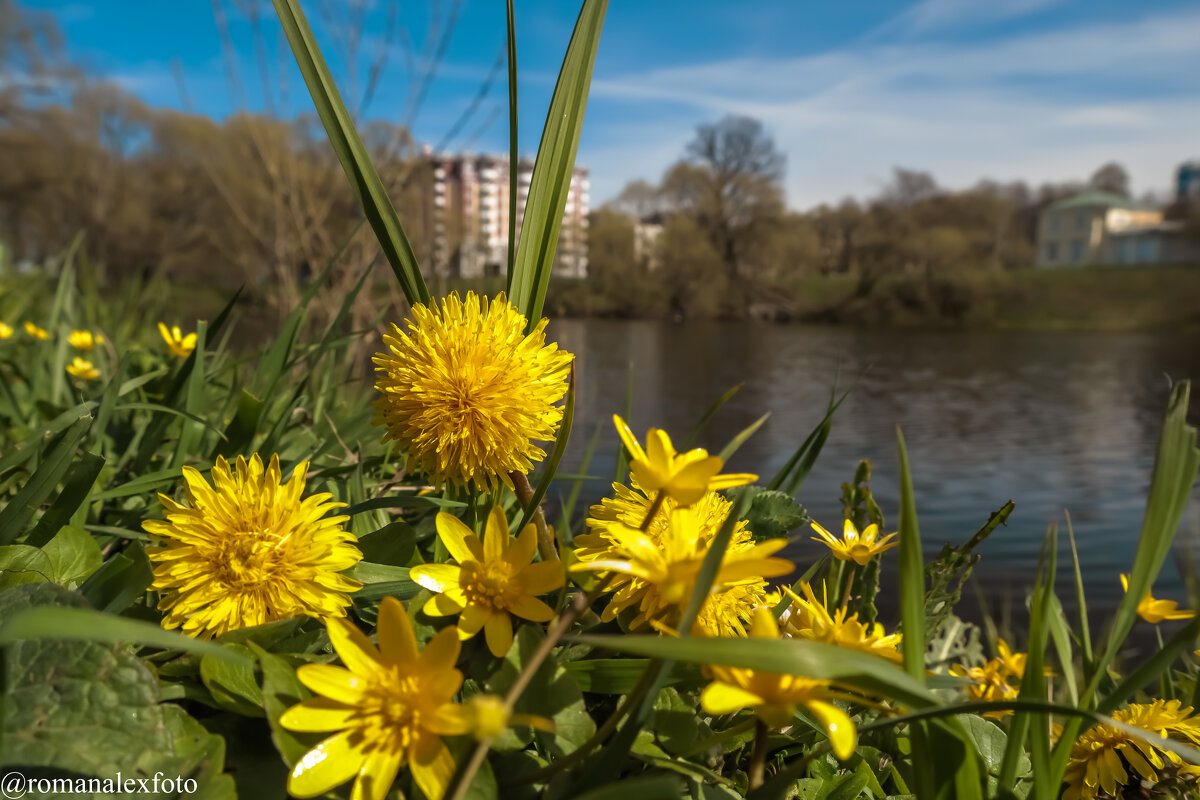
<point x="1097" y="198"/>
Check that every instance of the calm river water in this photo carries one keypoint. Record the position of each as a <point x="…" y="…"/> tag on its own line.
<point x="1052" y="421"/>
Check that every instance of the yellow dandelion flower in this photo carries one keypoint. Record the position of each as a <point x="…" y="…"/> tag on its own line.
<point x="775" y="698"/>
<point x="492" y="582"/>
<point x="467" y="393"/>
<point x="997" y="680"/>
<point x="389" y="706"/>
<point x="84" y="340"/>
<point x="79" y="368"/>
<point x="37" y="333"/>
<point x="1104" y="759"/>
<point x="684" y="477"/>
<point x="1155" y="611"/>
<point x="808" y="619"/>
<point x="854" y="546"/>
<point x="657" y="571"/>
<point x="6" y="331"/>
<point x="180" y="346"/>
<point x="249" y="549"/>
<point x="727" y="611"/>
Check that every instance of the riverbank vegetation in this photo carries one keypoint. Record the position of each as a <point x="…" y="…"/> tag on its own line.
<point x="259" y="575"/>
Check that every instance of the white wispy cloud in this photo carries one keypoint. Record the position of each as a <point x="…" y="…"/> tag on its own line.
<point x="1047" y="105"/>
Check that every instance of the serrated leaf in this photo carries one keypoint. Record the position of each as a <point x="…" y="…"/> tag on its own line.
<point x="772" y="514"/>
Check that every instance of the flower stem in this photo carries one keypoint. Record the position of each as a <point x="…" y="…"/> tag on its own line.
<point x="849" y="583"/>
<point x="581" y="603"/>
<point x="655" y="505"/>
<point x="524" y="491"/>
<point x="758" y="760"/>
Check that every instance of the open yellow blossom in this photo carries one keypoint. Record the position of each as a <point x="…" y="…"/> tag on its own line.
<point x="389" y="706"/>
<point x="84" y="340"/>
<point x="854" y="546"/>
<point x="250" y="549"/>
<point x="466" y="392"/>
<point x="37" y="333"/>
<point x="684" y="477"/>
<point x="180" y="346"/>
<point x="775" y="698"/>
<point x="997" y="680"/>
<point x="492" y="580"/>
<point x="79" y="368"/>
<point x="6" y="331"/>
<point x="1155" y="611"/>
<point x="656" y="570"/>
<point x="728" y="609"/>
<point x="808" y="619"/>
<point x="1105" y="759"/>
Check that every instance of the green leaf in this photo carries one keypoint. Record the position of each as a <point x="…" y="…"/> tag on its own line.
<point x="233" y="685"/>
<point x="54" y="465"/>
<point x="615" y="675"/>
<point x="78" y="486"/>
<point x="912" y="573"/>
<point x="92" y="708"/>
<point x="351" y="152"/>
<point x="281" y="690"/>
<point x="120" y="581"/>
<point x="649" y="787"/>
<point x="554" y="167"/>
<point x="552" y="694"/>
<point x="772" y="514"/>
<point x="74" y="556"/>
<point x="21" y="563"/>
<point x="689" y="441"/>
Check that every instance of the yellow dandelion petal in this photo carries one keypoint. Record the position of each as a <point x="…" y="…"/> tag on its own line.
<point x="467" y="392"/>
<point x="249" y="551"/>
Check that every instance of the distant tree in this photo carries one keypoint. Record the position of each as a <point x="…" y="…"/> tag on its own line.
<point x="638" y="199"/>
<point x="1111" y="177"/>
<point x="909" y="187"/>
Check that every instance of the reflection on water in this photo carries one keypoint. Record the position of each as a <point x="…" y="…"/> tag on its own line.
<point x="1049" y="420"/>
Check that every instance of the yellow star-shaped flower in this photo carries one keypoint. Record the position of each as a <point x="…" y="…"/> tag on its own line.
<point x="775" y="698"/>
<point x="180" y="346"/>
<point x="684" y="477"/>
<point x="79" y="368"/>
<point x="84" y="340"/>
<point x="854" y="546"/>
<point x="492" y="582"/>
<point x="1155" y="611"/>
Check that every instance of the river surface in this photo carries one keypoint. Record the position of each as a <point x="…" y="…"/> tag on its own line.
<point x="1053" y="421"/>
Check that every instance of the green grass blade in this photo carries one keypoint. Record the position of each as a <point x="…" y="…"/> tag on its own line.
<point x="59" y="455"/>
<point x="739" y="440"/>
<point x="912" y="573"/>
<point x="94" y="626"/>
<point x="351" y="152"/>
<point x="513" y="160"/>
<point x="76" y="489"/>
<point x="554" y="167"/>
<point x="699" y="428"/>
<point x="1158" y="664"/>
<point x="792" y="475"/>
<point x="1085" y="633"/>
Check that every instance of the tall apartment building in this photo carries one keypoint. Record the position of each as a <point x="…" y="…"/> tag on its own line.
<point x="470" y="197"/>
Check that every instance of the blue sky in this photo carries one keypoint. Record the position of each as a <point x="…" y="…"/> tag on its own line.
<point x="1041" y="90"/>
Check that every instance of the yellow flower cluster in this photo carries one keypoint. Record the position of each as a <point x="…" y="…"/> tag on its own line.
<point x="1105" y="759"/>
<point x="997" y="680"/>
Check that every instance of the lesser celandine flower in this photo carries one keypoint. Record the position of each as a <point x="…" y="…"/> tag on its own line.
<point x="180" y="346"/>
<point x="492" y="582"/>
<point x="656" y="572"/>
<point x="807" y="618"/>
<point x="727" y="611"/>
<point x="466" y="392"/>
<point x="684" y="477"/>
<point x="1105" y="759"/>
<point x="84" y="340"/>
<point x="775" y="698"/>
<point x="37" y="333"/>
<point x="854" y="546"/>
<point x="389" y="706"/>
<point x="1155" y="611"/>
<point x="80" y="368"/>
<point x="997" y="680"/>
<point x="250" y="549"/>
<point x="5" y="331"/>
